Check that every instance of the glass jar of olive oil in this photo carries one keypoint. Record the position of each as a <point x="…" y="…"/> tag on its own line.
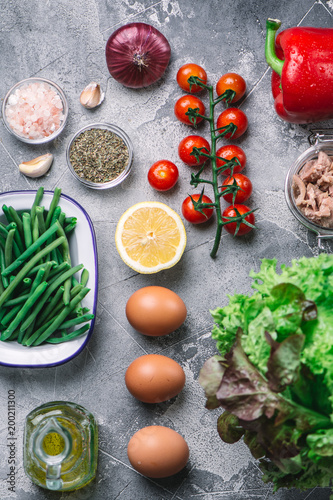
<point x="60" y="446"/>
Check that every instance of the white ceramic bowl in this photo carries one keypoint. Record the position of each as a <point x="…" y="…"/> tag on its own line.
<point x="83" y="250"/>
<point x="62" y="96"/>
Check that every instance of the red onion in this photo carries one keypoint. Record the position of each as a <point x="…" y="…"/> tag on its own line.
<point x="137" y="55"/>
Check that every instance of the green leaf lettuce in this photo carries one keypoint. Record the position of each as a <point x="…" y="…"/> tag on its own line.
<point x="274" y="374"/>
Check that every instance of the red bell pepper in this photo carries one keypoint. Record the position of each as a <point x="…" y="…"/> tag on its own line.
<point x="302" y="78"/>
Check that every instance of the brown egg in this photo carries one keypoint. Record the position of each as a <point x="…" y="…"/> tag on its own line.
<point x="154" y="378"/>
<point x="155" y="311"/>
<point x="157" y="451"/>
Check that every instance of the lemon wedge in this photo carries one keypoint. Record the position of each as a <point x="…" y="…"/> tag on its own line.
<point x="150" y="237"/>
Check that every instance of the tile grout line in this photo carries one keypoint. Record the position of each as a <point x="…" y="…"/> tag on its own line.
<point x="131" y="17"/>
<point x="133" y="470"/>
<point x="117" y="322"/>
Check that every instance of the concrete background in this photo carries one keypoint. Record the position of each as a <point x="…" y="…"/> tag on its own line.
<point x="64" y="41"/>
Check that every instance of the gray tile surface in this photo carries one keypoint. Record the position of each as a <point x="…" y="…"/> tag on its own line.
<point x="64" y="41"/>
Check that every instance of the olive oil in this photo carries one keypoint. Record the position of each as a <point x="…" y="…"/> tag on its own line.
<point x="60" y="446"/>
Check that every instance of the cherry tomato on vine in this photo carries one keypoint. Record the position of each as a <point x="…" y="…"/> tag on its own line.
<point x="229" y="83"/>
<point x="184" y="74"/>
<point x="232" y="226"/>
<point x="163" y="175"/>
<point x="235" y="116"/>
<point x="229" y="152"/>
<point x="186" y="146"/>
<point x="194" y="216"/>
<point x="182" y="106"/>
<point x="245" y="188"/>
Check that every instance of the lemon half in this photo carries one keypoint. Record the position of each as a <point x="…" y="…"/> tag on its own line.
<point x="150" y="237"/>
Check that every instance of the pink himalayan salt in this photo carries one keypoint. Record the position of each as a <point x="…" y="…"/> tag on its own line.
<point x="34" y="110"/>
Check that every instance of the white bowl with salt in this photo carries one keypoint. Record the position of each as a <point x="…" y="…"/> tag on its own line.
<point x="35" y="110"/>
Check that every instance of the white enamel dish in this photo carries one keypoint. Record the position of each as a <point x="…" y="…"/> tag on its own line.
<point x="83" y="250"/>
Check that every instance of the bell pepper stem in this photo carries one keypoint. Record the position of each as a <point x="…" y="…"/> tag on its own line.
<point x="272" y="25"/>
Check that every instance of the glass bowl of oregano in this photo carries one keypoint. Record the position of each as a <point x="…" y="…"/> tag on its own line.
<point x="100" y="155"/>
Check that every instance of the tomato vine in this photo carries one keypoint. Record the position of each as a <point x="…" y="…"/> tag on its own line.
<point x="228" y="130"/>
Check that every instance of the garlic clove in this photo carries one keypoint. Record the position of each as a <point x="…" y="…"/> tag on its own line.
<point x="91" y="96"/>
<point x="36" y="167"/>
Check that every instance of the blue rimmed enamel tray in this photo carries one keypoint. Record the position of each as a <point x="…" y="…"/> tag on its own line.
<point x="83" y="250"/>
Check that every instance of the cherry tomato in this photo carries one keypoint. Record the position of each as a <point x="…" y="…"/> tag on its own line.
<point x="163" y="175"/>
<point x="243" y="193"/>
<point x="186" y="102"/>
<point x="232" y="226"/>
<point x="186" y="146"/>
<point x="229" y="152"/>
<point x="194" y="216"/>
<point x="184" y="74"/>
<point x="231" y="82"/>
<point x="235" y="116"/>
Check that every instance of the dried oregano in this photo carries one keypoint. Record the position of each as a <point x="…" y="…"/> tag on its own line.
<point x="98" y="155"/>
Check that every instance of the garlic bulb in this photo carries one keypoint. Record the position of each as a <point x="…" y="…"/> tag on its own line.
<point x="91" y="96"/>
<point x="37" y="167"/>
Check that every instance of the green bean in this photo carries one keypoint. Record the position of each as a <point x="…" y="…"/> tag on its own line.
<point x="27" y="333"/>
<point x="76" y="289"/>
<point x="26" y="220"/>
<point x="61" y="219"/>
<point x="48" y="309"/>
<point x="60" y="305"/>
<point x="13" y="336"/>
<point x="64" y="266"/>
<point x="74" y="281"/>
<point x="10" y="315"/>
<point x="40" y="218"/>
<point x="29" y="251"/>
<point x="17" y="237"/>
<point x="69" y="336"/>
<point x="3" y="230"/>
<point x="7" y="213"/>
<point x="54" y="254"/>
<point x="69" y="220"/>
<point x="56" y="215"/>
<point x="3" y="234"/>
<point x="67" y="258"/>
<point x="37" y="340"/>
<point x="35" y="269"/>
<point x="9" y="247"/>
<point x="26" y="282"/>
<point x="17" y="219"/>
<point x="68" y="271"/>
<point x="24" y="310"/>
<point x="84" y="277"/>
<point x="53" y="205"/>
<point x="35" y="231"/>
<point x="59" y="256"/>
<point x="28" y="266"/>
<point x="37" y="200"/>
<point x="52" y="287"/>
<point x="4" y="279"/>
<point x="76" y="321"/>
<point x="38" y="279"/>
<point x="16" y="300"/>
<point x="2" y="313"/>
<point x="48" y="267"/>
<point x="70" y="227"/>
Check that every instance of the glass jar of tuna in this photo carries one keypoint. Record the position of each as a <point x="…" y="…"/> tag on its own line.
<point x="309" y="186"/>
